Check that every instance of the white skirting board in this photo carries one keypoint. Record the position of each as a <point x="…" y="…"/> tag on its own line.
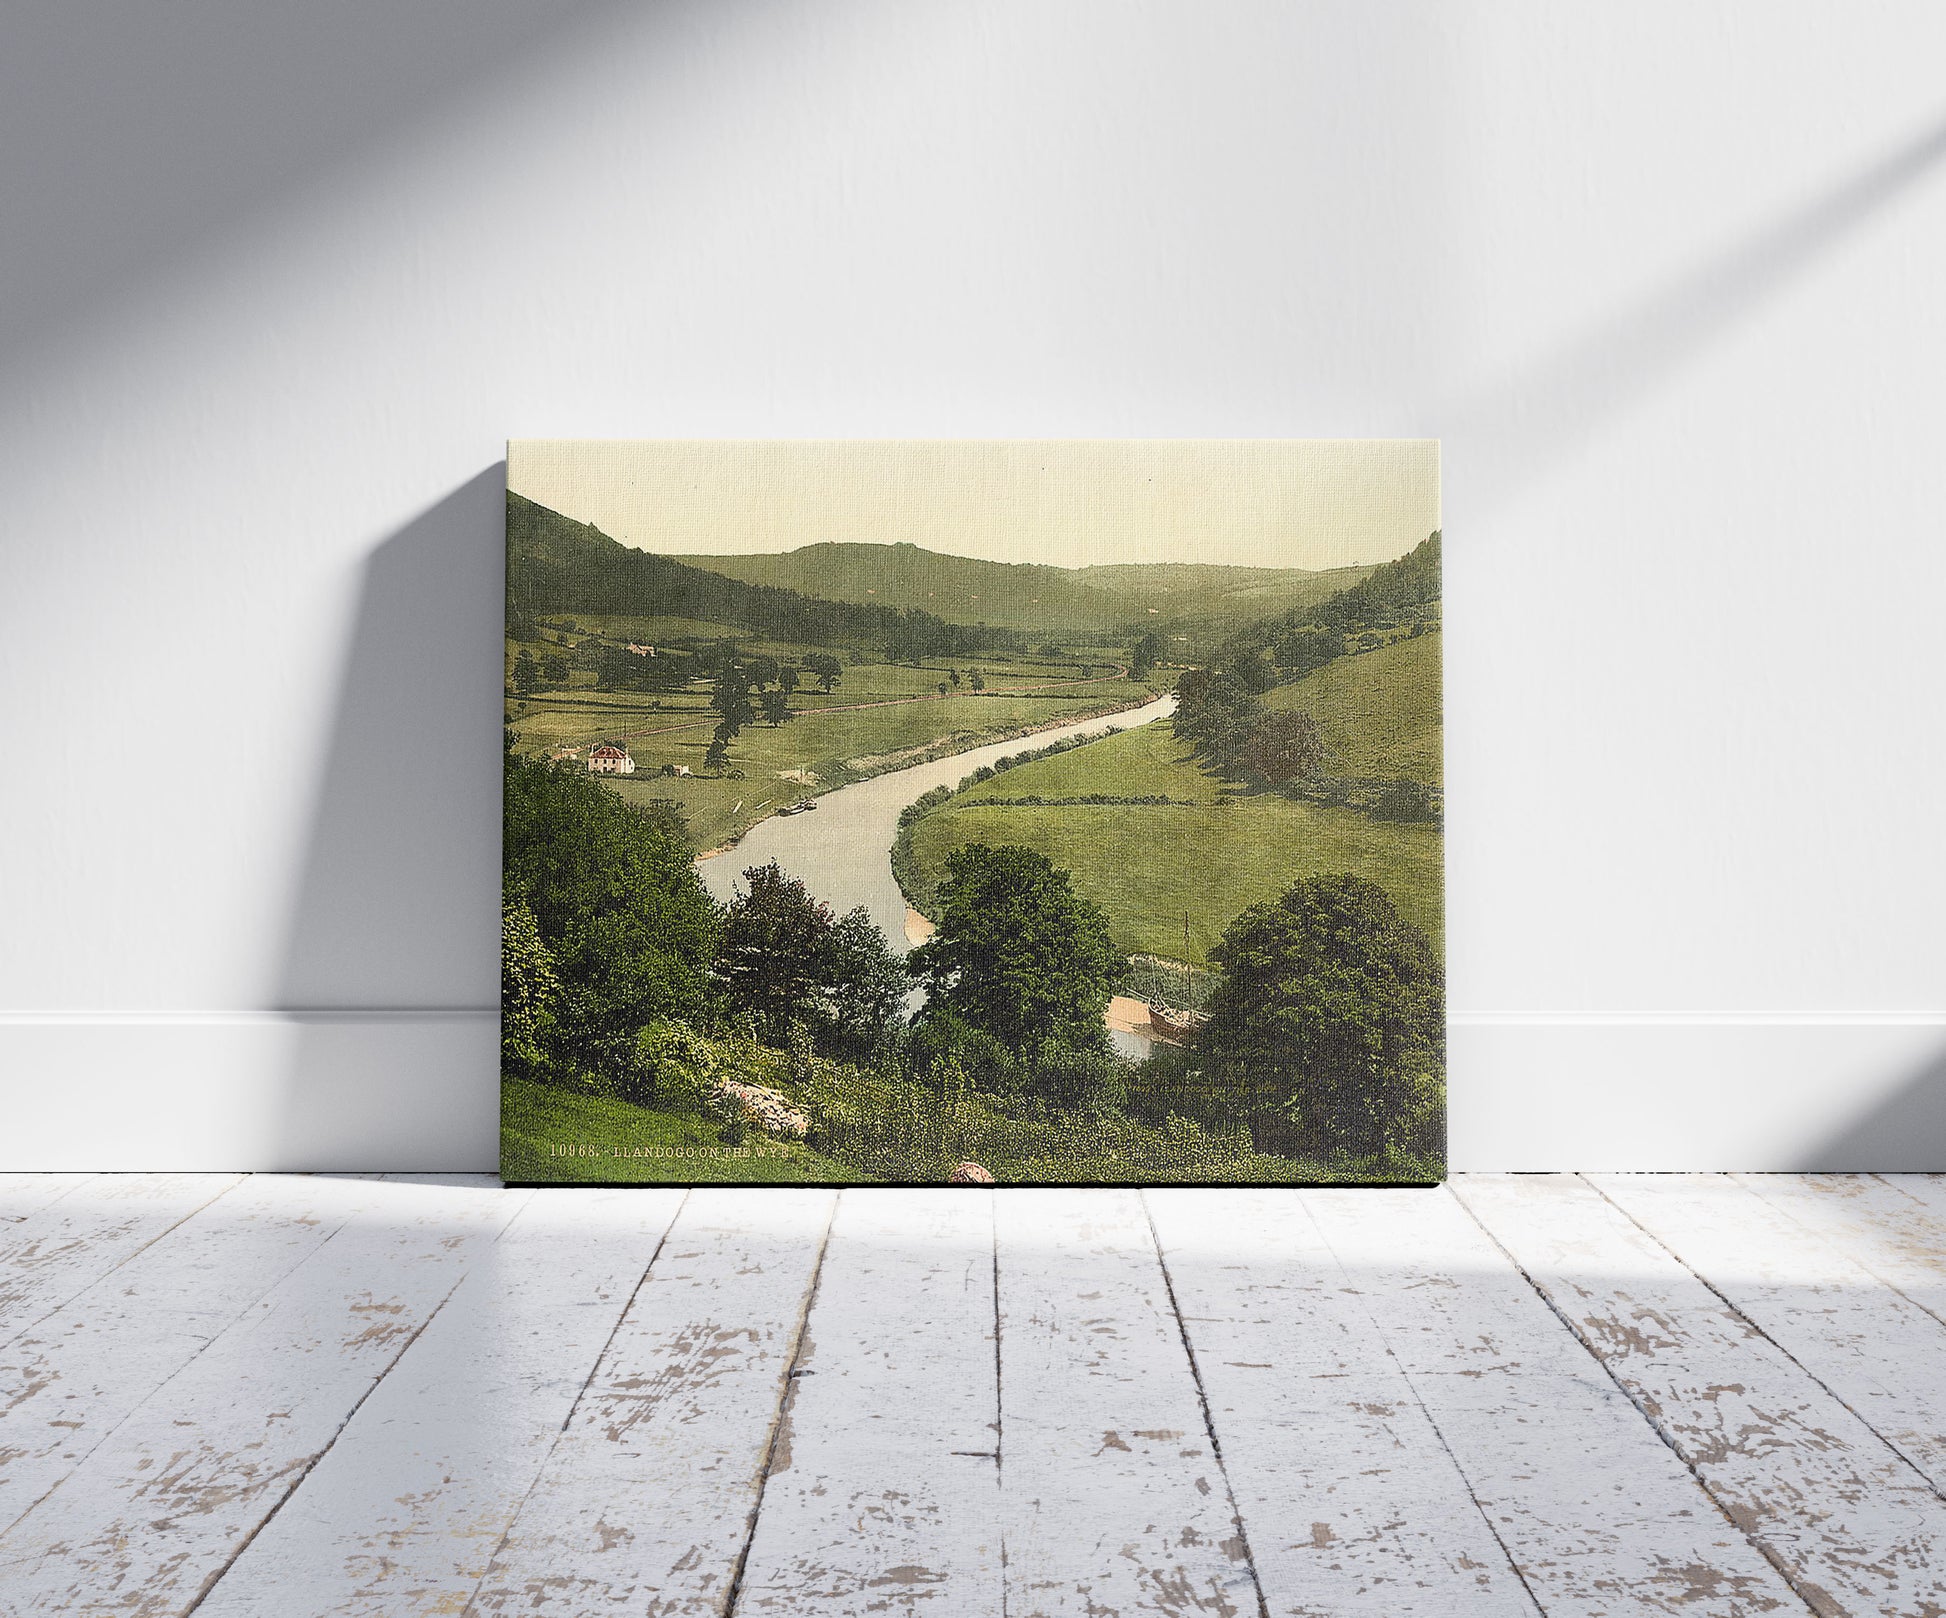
<point x="400" y="1090"/>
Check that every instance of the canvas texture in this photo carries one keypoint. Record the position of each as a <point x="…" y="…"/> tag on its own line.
<point x="973" y="812"/>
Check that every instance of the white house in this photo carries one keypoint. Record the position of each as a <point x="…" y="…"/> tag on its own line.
<point x="610" y="758"/>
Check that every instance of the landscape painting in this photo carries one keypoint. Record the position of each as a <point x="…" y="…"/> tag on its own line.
<point x="973" y="813"/>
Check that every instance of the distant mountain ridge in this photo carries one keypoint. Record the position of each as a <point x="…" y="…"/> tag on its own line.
<point x="963" y="589"/>
<point x="555" y="564"/>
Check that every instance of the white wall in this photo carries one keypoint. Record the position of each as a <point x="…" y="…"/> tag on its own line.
<point x="279" y="282"/>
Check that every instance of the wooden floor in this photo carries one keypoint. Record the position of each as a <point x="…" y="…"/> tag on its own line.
<point x="1588" y="1395"/>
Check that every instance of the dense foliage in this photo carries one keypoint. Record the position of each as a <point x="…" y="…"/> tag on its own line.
<point x="789" y="964"/>
<point x="1018" y="954"/>
<point x="615" y="902"/>
<point x="1329" y="1024"/>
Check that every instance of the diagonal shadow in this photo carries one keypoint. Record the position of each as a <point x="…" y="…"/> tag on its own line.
<point x="1903" y="1135"/>
<point x="1546" y="412"/>
<point x="134" y="137"/>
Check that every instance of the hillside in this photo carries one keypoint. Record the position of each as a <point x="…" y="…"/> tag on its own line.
<point x="1026" y="595"/>
<point x="555" y="565"/>
<point x="1379" y="710"/>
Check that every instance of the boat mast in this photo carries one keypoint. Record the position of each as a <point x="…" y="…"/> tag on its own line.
<point x="1188" y="981"/>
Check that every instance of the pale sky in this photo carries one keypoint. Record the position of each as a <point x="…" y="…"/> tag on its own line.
<point x="1308" y="503"/>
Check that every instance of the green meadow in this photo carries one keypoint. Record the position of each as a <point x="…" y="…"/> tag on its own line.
<point x="541" y="1125"/>
<point x="1221" y="847"/>
<point x="1379" y="710"/>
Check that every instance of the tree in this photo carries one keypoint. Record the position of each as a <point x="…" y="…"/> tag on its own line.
<point x="1285" y="746"/>
<point x="528" y="986"/>
<point x="1216" y="713"/>
<point x="825" y="667"/>
<point x="866" y="986"/>
<point x="1300" y="650"/>
<point x="777" y="706"/>
<point x="730" y="697"/>
<point x="664" y="672"/>
<point x="787" y="679"/>
<point x="1254" y="669"/>
<point x="1142" y="655"/>
<point x="554" y="669"/>
<point x="1408" y="801"/>
<point x="527" y="673"/>
<point x="774" y="954"/>
<point x="1330" y="1023"/>
<point x="789" y="965"/>
<point x="615" y="670"/>
<point x="1019" y="954"/>
<point x="763" y="671"/>
<point x="717" y="754"/>
<point x="979" y="682"/>
<point x="954" y="675"/>
<point x="617" y="904"/>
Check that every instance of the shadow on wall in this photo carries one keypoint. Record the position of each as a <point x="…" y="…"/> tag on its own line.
<point x="391" y="964"/>
<point x="1906" y="1133"/>
<point x="1546" y="412"/>
<point x="175" y="126"/>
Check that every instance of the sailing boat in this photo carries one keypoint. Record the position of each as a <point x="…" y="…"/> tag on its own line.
<point x="1179" y="1027"/>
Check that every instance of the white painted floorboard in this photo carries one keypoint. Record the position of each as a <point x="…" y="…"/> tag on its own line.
<point x="1554" y="1395"/>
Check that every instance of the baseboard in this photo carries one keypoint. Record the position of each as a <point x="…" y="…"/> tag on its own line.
<point x="1756" y="1092"/>
<point x="415" y="1090"/>
<point x="250" y="1090"/>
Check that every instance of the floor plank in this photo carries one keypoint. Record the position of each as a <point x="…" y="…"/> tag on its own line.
<point x="1874" y="1349"/>
<point x="1854" y="1526"/>
<point x="1350" y="1500"/>
<point x="63" y="1247"/>
<point x="884" y="1496"/>
<point x="646" y="1502"/>
<point x="23" y="1194"/>
<point x="155" y="1513"/>
<point x="403" y="1514"/>
<point x="332" y="1396"/>
<point x="1597" y="1513"/>
<point x="1894" y="1225"/>
<point x="1113" y="1498"/>
<point x="72" y="1378"/>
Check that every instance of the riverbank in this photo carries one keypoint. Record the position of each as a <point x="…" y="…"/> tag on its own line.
<point x="842" y="852"/>
<point x="839" y="775"/>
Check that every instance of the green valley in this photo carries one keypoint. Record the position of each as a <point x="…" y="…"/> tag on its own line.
<point x="1026" y="596"/>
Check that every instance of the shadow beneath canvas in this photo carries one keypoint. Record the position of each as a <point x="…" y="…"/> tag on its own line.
<point x="390" y="969"/>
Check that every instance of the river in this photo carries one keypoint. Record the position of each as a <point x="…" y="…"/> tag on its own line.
<point x="842" y="851"/>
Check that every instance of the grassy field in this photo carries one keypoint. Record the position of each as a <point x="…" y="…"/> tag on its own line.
<point x="637" y="1144"/>
<point x="880" y="716"/>
<point x="1225" y="848"/>
<point x="1379" y="710"/>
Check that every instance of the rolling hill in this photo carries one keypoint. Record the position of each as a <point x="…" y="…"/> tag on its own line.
<point x="555" y="564"/>
<point x="1025" y="595"/>
<point x="1380" y="710"/>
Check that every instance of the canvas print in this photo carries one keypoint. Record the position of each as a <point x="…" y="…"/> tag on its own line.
<point x="973" y="813"/>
